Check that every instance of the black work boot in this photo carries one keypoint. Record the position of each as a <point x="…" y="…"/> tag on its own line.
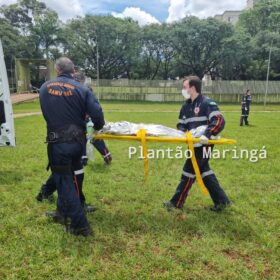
<point x="220" y="207"/>
<point x="241" y="121"/>
<point x="89" y="208"/>
<point x="169" y="206"/>
<point x="42" y="196"/>
<point x="216" y="192"/>
<point x="57" y="217"/>
<point x="86" y="231"/>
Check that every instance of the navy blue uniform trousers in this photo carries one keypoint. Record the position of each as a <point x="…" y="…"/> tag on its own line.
<point x="188" y="177"/>
<point x="49" y="187"/>
<point x="62" y="158"/>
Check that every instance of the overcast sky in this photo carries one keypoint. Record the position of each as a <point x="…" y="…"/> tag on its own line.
<point x="144" y="11"/>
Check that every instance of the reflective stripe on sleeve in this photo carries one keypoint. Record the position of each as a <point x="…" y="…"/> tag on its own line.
<point x="194" y="119"/>
<point x="181" y="121"/>
<point x="214" y="113"/>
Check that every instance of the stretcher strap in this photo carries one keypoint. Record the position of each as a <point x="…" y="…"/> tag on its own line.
<point x="141" y="134"/>
<point x="189" y="142"/>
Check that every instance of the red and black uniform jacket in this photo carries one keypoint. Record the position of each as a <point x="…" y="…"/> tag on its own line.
<point x="201" y="111"/>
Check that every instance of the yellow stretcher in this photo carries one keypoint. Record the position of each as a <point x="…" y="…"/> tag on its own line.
<point x="142" y="137"/>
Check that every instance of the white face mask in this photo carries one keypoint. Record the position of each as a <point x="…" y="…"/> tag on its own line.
<point x="186" y="94"/>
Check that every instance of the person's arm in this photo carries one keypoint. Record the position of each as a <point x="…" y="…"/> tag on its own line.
<point x="243" y="101"/>
<point x="94" y="110"/>
<point x="181" y="125"/>
<point x="249" y="99"/>
<point x="216" y="120"/>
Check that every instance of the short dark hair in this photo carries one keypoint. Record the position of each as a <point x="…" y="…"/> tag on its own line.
<point x="194" y="81"/>
<point x="64" y="65"/>
<point x="79" y="77"/>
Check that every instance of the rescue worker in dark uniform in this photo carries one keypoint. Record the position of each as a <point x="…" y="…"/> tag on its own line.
<point x="99" y="145"/>
<point x="64" y="103"/>
<point x="245" y="107"/>
<point x="199" y="110"/>
<point x="48" y="188"/>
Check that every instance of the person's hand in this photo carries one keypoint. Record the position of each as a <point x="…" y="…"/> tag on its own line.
<point x="203" y="139"/>
<point x="246" y="109"/>
<point x="108" y="159"/>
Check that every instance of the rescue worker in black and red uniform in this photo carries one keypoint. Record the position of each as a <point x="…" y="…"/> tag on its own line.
<point x="245" y="108"/>
<point x="199" y="110"/>
<point x="65" y="103"/>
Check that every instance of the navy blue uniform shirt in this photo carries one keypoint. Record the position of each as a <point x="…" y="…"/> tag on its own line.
<point x="246" y="102"/>
<point x="65" y="101"/>
<point x="201" y="111"/>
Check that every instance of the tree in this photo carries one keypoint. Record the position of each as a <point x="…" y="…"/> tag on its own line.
<point x="46" y="31"/>
<point x="262" y="24"/>
<point x="265" y="15"/>
<point x="262" y="43"/>
<point x="168" y="51"/>
<point x="114" y="39"/>
<point x="14" y="44"/>
<point x="201" y="43"/>
<point x="150" y="58"/>
<point x="10" y="38"/>
<point x="36" y="23"/>
<point x="237" y="55"/>
<point x="156" y="52"/>
<point x="21" y="14"/>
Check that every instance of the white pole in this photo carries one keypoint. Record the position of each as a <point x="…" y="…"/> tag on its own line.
<point x="97" y="69"/>
<point x="267" y="75"/>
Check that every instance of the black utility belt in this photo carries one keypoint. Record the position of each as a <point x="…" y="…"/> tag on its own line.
<point x="54" y="137"/>
<point x="70" y="134"/>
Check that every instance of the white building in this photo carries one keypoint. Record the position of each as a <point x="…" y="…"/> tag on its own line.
<point x="232" y="16"/>
<point x="229" y="16"/>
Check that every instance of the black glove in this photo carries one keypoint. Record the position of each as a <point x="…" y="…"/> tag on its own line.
<point x="84" y="160"/>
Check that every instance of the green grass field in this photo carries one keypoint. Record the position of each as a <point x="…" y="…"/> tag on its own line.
<point x="135" y="238"/>
<point x="125" y="106"/>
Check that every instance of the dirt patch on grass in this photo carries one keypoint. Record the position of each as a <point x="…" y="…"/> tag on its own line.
<point x="23" y="97"/>
<point x="245" y="258"/>
<point x="21" y="115"/>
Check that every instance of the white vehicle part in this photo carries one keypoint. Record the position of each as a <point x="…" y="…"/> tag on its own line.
<point x="7" y="131"/>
